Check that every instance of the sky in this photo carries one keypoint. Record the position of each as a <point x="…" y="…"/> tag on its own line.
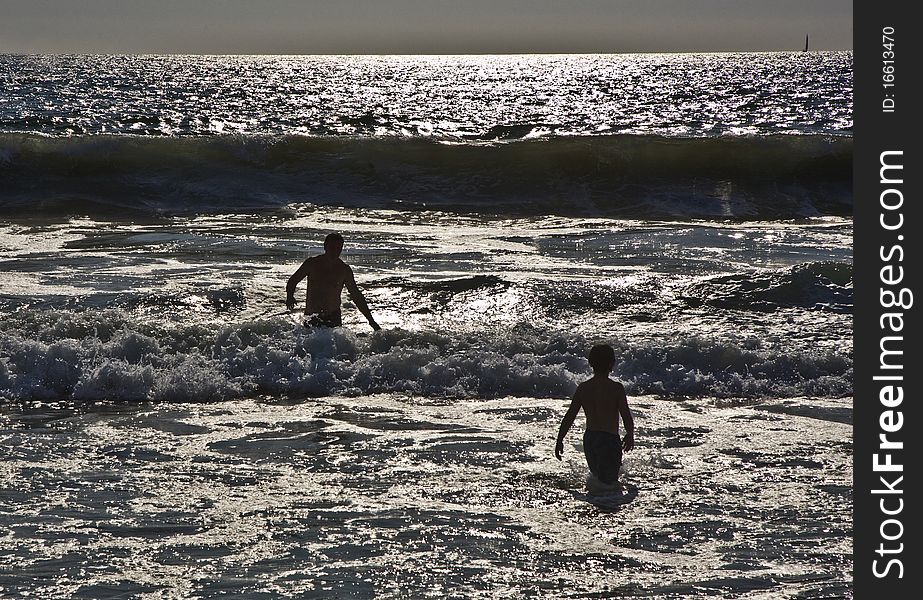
<point x="421" y="26"/>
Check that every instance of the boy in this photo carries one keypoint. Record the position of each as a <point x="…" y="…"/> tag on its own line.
<point x="602" y="400"/>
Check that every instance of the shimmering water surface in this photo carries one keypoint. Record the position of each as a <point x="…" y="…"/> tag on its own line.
<point x="170" y="430"/>
<point x="490" y="97"/>
<point x="398" y="496"/>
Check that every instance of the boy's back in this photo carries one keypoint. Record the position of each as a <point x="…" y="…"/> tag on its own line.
<point x="601" y="398"/>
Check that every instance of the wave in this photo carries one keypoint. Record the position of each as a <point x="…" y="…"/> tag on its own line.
<point x="814" y="286"/>
<point x="632" y="176"/>
<point x="823" y="286"/>
<point x="114" y="355"/>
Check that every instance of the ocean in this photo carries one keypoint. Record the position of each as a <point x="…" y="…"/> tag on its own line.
<point x="170" y="430"/>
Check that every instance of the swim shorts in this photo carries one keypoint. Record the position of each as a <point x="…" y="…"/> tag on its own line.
<point x="334" y="319"/>
<point x="603" y="454"/>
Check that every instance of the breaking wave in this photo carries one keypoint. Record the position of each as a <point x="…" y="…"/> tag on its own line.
<point x="114" y="355"/>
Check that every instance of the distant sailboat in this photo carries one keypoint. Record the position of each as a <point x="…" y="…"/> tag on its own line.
<point x="805" y="43"/>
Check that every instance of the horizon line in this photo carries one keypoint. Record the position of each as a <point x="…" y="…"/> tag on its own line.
<point x="419" y="54"/>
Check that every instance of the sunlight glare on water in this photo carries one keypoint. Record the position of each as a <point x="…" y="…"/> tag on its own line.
<point x="170" y="430"/>
<point x="448" y="96"/>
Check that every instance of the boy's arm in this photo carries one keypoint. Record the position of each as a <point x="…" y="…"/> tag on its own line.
<point x="566" y="423"/>
<point x="629" y="442"/>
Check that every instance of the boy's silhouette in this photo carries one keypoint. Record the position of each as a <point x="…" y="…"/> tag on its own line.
<point x="602" y="400"/>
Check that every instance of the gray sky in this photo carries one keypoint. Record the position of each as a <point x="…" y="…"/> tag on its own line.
<point x="420" y="26"/>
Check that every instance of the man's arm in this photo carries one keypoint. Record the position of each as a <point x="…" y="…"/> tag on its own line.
<point x="358" y="299"/>
<point x="629" y="442"/>
<point x="566" y="423"/>
<point x="293" y="282"/>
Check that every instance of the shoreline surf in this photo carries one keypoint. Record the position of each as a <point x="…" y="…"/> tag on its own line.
<point x="392" y="494"/>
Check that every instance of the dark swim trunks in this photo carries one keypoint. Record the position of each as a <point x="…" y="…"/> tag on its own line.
<point x="329" y="320"/>
<point x="603" y="454"/>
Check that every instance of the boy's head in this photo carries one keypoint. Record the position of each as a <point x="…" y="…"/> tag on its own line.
<point x="602" y="359"/>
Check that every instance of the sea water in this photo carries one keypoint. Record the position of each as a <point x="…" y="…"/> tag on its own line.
<point x="170" y="430"/>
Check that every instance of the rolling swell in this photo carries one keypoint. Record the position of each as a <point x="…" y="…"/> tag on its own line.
<point x="776" y="177"/>
<point x="825" y="286"/>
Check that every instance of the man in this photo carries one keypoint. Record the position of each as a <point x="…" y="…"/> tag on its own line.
<point x="327" y="275"/>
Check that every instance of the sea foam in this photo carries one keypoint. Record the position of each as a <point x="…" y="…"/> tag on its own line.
<point x="112" y="355"/>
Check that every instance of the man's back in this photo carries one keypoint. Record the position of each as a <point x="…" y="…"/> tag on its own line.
<point x="326" y="278"/>
<point x="601" y="398"/>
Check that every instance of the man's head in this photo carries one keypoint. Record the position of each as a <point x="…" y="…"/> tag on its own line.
<point x="333" y="245"/>
<point x="602" y="359"/>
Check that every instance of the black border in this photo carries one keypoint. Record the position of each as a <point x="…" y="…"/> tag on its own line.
<point x="876" y="131"/>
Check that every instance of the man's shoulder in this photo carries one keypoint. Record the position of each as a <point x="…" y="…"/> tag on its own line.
<point x="322" y="261"/>
<point x="310" y="263"/>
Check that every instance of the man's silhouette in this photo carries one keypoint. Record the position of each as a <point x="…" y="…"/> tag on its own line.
<point x="327" y="274"/>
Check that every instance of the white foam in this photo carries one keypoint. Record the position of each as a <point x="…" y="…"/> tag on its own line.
<point x="111" y="354"/>
<point x="115" y="379"/>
